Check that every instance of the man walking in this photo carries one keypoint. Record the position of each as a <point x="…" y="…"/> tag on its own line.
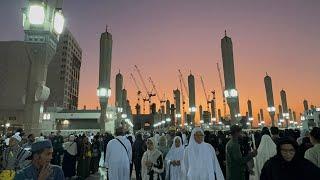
<point x="118" y="157"/>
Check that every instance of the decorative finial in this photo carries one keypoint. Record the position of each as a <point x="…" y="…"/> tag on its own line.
<point x="225" y="32"/>
<point x="267" y="74"/>
<point x="107" y="28"/>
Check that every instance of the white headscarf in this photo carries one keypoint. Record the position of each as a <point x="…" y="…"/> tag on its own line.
<point x="175" y="153"/>
<point x="154" y="154"/>
<point x="202" y="160"/>
<point x="266" y="150"/>
<point x="71" y="146"/>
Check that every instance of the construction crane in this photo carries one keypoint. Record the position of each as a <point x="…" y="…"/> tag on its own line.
<point x="183" y="103"/>
<point x="205" y="93"/>
<point x="148" y="93"/>
<point x="137" y="86"/>
<point x="183" y="82"/>
<point x="222" y="90"/>
<point x="161" y="100"/>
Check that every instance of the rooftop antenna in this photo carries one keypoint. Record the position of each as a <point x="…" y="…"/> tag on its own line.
<point x="107" y="28"/>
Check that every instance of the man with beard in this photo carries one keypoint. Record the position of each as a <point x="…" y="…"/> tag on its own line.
<point x="40" y="167"/>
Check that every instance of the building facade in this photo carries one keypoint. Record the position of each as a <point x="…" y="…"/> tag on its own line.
<point x="64" y="74"/>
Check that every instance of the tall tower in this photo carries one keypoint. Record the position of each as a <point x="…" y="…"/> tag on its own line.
<point x="192" y="98"/>
<point x="261" y="116"/>
<point x="104" y="90"/>
<point x="176" y="94"/>
<point x="230" y="92"/>
<point x="200" y="113"/>
<point x="269" y="93"/>
<point x="250" y="116"/>
<point x="119" y="87"/>
<point x="305" y="105"/>
<point x="41" y="38"/>
<point x="167" y="108"/>
<point x="285" y="111"/>
<point x="64" y="73"/>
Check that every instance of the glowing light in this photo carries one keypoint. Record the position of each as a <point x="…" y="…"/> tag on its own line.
<point x="58" y="22"/>
<point x="248" y="123"/>
<point x="230" y="93"/>
<point x="65" y="122"/>
<point x="318" y="109"/>
<point x="46" y="116"/>
<point x="201" y="121"/>
<point x="214" y="119"/>
<point x="291" y="122"/>
<point x="7" y="125"/>
<point x="250" y="118"/>
<point x="120" y="109"/>
<point x="124" y="116"/>
<point x="279" y="123"/>
<point x="36" y="14"/>
<point x="281" y="120"/>
<point x="178" y="115"/>
<point x="186" y="124"/>
<point x="168" y="119"/>
<point x="303" y="118"/>
<point x="192" y="109"/>
<point x="163" y="122"/>
<point x="220" y="122"/>
<point x="103" y="92"/>
<point x="271" y="109"/>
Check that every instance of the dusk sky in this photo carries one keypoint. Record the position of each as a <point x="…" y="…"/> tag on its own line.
<point x="162" y="36"/>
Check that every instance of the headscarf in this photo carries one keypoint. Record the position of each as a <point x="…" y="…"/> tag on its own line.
<point x="266" y="150"/>
<point x="175" y="153"/>
<point x="163" y="147"/>
<point x="153" y="155"/>
<point x="71" y="146"/>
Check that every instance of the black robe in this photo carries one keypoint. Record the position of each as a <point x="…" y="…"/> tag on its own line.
<point x="298" y="169"/>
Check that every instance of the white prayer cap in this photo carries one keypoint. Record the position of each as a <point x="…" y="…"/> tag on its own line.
<point x="17" y="137"/>
<point x="71" y="137"/>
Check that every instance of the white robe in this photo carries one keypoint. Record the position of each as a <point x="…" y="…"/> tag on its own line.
<point x="117" y="159"/>
<point x="200" y="161"/>
<point x="175" y="172"/>
<point x="266" y="150"/>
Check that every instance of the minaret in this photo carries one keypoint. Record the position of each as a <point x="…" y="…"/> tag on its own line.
<point x="230" y="92"/>
<point x="285" y="110"/>
<point x="213" y="108"/>
<point x="262" y="117"/>
<point x="192" y="99"/>
<point x="250" y="115"/>
<point x="119" y="87"/>
<point x="176" y="94"/>
<point x="167" y="108"/>
<point x="104" y="91"/>
<point x="124" y="102"/>
<point x="200" y="113"/>
<point x="305" y="105"/>
<point x="269" y="93"/>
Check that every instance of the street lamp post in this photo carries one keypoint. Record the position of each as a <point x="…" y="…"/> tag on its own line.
<point x="43" y="22"/>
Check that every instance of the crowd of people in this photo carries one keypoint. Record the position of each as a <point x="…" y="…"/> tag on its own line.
<point x="236" y="154"/>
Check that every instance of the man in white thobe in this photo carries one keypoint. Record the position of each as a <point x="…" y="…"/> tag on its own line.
<point x="118" y="157"/>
